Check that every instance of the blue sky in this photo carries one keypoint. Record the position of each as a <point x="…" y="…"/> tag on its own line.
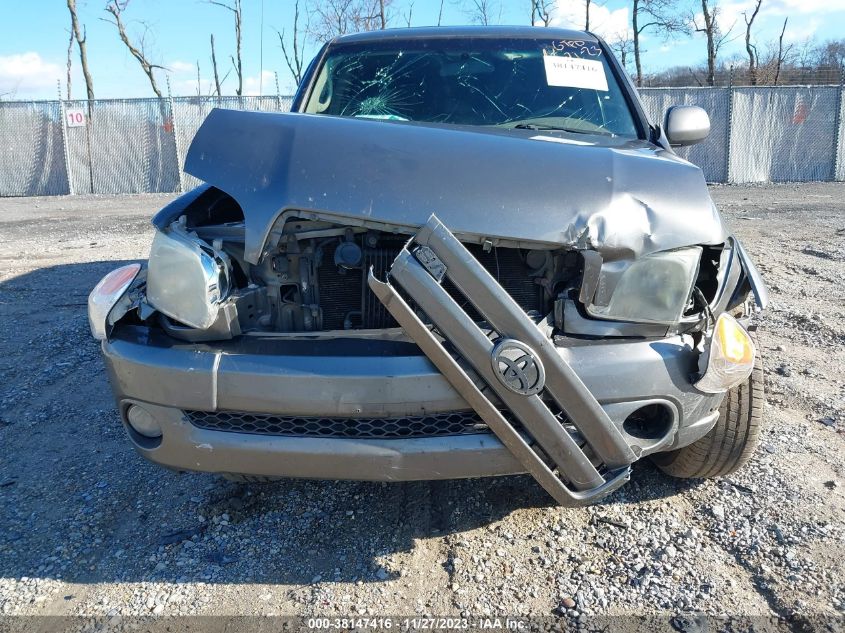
<point x="34" y="38"/>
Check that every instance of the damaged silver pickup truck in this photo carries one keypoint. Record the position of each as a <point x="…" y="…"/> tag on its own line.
<point x="466" y="253"/>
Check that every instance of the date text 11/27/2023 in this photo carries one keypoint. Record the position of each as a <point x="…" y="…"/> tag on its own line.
<point x="417" y="623"/>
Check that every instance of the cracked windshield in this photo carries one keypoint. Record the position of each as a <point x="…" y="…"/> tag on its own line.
<point x="564" y="85"/>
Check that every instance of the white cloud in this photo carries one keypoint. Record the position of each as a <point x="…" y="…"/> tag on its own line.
<point x="609" y="24"/>
<point x="23" y="74"/>
<point x="187" y="86"/>
<point x="816" y="7"/>
<point x="800" y="32"/>
<point x="730" y="13"/>
<point x="178" y="66"/>
<point x="769" y="21"/>
<point x="267" y="84"/>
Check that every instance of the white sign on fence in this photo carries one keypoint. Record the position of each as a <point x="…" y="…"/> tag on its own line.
<point x="75" y="117"/>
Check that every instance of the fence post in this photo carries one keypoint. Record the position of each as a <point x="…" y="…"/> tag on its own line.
<point x="65" y="148"/>
<point x="175" y="137"/>
<point x="729" y="148"/>
<point x="176" y="145"/>
<point x="837" y="127"/>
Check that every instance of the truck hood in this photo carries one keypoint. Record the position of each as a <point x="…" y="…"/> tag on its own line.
<point x="622" y="198"/>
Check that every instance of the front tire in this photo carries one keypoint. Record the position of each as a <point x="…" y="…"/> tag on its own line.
<point x="731" y="442"/>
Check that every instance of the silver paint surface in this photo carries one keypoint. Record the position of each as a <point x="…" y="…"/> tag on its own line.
<point x="619" y="197"/>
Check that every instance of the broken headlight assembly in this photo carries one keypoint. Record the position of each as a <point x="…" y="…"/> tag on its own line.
<point x="186" y="278"/>
<point x="728" y="357"/>
<point x="655" y="288"/>
<point x="106" y="295"/>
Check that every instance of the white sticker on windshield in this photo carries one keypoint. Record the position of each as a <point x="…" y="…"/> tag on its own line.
<point x="574" y="72"/>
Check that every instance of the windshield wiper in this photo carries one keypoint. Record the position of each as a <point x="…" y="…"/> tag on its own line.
<point x="556" y="128"/>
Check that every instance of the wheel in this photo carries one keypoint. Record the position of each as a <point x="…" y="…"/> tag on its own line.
<point x="731" y="442"/>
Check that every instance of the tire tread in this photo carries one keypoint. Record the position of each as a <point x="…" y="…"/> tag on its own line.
<point x="733" y="440"/>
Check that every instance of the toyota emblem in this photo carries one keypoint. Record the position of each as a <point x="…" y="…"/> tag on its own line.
<point x="517" y="367"/>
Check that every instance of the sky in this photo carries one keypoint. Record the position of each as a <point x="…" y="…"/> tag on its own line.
<point x="34" y="39"/>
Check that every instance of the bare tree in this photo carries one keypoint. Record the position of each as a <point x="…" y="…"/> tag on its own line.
<point x="81" y="39"/>
<point x="482" y="11"/>
<point x="69" y="63"/>
<point x="381" y="15"/>
<point x="214" y="67"/>
<point x="805" y="52"/>
<point x="659" y="15"/>
<point x="541" y="11"/>
<point x="237" y="61"/>
<point x="116" y="8"/>
<point x="831" y="53"/>
<point x="295" y="57"/>
<point x="623" y="46"/>
<point x="716" y="38"/>
<point x="331" y="18"/>
<point x="587" y="15"/>
<point x="409" y="15"/>
<point x="781" y="56"/>
<point x="440" y="13"/>
<point x="750" y="48"/>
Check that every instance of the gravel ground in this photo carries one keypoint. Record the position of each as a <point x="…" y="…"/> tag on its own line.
<point x="91" y="529"/>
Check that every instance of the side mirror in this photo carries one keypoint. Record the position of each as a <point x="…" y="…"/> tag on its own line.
<point x="686" y="125"/>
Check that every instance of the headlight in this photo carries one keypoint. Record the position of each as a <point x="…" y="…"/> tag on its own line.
<point x="105" y="296"/>
<point x="728" y="358"/>
<point x="186" y="278"/>
<point x="654" y="289"/>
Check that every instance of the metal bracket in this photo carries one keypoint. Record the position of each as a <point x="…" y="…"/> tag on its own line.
<point x="430" y="262"/>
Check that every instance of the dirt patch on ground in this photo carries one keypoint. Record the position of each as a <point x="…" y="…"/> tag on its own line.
<point x="90" y="528"/>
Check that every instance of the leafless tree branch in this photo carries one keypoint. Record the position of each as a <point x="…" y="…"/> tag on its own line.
<point x="781" y="53"/>
<point x="69" y="63"/>
<point x="331" y="18"/>
<point x="116" y="9"/>
<point x="214" y="68"/>
<point x="295" y="57"/>
<point x="541" y="11"/>
<point x="81" y="41"/>
<point x="623" y="46"/>
<point x="659" y="15"/>
<point x="237" y="59"/>
<point x="750" y="48"/>
<point x="482" y="11"/>
<point x="715" y="36"/>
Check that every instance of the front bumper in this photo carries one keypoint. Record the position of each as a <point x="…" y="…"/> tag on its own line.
<point x="359" y="378"/>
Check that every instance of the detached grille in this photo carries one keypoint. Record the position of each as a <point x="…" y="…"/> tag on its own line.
<point x="435" y="425"/>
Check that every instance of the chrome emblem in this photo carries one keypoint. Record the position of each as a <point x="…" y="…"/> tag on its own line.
<point x="517" y="367"/>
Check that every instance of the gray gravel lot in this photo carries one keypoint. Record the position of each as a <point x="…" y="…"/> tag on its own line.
<point x="89" y="528"/>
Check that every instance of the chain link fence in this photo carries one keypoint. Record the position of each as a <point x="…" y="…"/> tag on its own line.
<point x="762" y="133"/>
<point x="108" y="145"/>
<point x="759" y="134"/>
<point x="712" y="153"/>
<point x="32" y="156"/>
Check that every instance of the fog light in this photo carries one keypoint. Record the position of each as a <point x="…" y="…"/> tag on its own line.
<point x="143" y="422"/>
<point x="728" y="358"/>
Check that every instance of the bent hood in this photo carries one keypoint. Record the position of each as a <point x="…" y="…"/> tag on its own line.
<point x="624" y="200"/>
